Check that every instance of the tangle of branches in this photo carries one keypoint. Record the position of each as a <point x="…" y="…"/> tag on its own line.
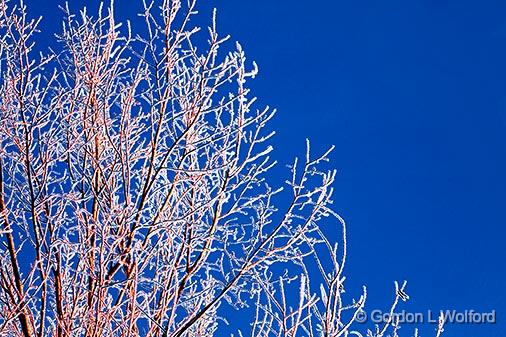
<point x="134" y="197"/>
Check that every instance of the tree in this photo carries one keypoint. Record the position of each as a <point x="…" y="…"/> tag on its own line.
<point x="133" y="189"/>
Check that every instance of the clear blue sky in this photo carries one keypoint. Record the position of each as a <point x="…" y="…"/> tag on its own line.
<point x="413" y="95"/>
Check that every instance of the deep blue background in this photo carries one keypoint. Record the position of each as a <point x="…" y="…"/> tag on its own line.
<point x="413" y="95"/>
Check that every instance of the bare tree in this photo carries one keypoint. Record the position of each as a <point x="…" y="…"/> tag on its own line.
<point x="133" y="189"/>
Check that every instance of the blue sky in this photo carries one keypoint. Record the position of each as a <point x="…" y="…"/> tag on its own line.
<point x="413" y="95"/>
